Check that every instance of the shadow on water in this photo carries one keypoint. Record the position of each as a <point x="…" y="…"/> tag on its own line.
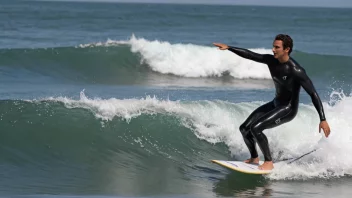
<point x="237" y="184"/>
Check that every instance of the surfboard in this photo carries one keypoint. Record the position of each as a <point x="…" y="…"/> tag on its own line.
<point x="242" y="167"/>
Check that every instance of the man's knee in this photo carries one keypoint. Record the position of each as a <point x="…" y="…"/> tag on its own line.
<point x="244" y="129"/>
<point x="256" y="129"/>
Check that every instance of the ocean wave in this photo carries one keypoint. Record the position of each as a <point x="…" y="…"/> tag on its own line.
<point x="152" y="124"/>
<point x="141" y="60"/>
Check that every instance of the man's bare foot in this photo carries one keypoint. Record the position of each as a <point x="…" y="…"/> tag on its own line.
<point x="252" y="160"/>
<point x="267" y="165"/>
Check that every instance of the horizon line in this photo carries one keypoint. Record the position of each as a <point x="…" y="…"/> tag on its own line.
<point x="194" y="3"/>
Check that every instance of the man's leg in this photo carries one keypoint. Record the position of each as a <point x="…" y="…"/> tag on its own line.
<point x="246" y="126"/>
<point x="276" y="117"/>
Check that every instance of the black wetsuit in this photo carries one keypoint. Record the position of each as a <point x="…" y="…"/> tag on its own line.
<point x="288" y="78"/>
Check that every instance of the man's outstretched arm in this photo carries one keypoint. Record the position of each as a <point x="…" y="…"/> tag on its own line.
<point x="308" y="86"/>
<point x="245" y="53"/>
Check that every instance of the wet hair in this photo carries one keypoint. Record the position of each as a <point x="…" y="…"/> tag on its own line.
<point x="286" y="41"/>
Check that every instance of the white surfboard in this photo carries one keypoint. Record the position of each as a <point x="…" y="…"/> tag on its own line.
<point x="242" y="166"/>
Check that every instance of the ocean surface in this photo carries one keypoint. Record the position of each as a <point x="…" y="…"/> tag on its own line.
<point x="133" y="100"/>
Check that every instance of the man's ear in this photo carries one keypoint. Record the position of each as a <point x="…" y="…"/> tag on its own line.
<point x="287" y="49"/>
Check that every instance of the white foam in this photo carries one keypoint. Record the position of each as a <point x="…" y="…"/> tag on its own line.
<point x="332" y="157"/>
<point x="107" y="43"/>
<point x="218" y="121"/>
<point x="191" y="60"/>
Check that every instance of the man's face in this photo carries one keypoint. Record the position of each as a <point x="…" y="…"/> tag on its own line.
<point x="279" y="50"/>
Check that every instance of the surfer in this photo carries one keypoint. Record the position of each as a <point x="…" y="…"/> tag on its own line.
<point x="288" y="77"/>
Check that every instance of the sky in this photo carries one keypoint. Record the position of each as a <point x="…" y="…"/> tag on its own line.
<point x="310" y="3"/>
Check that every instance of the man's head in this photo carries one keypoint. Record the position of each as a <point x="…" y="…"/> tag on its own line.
<point x="282" y="45"/>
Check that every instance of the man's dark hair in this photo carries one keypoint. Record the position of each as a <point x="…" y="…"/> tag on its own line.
<point x="286" y="41"/>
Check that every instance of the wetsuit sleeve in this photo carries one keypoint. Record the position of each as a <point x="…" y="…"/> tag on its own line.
<point x="308" y="86"/>
<point x="245" y="53"/>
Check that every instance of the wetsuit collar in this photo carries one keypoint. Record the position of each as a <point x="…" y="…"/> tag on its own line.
<point x="285" y="61"/>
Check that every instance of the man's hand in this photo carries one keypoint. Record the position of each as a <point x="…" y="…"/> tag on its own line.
<point x="221" y="46"/>
<point x="325" y="126"/>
